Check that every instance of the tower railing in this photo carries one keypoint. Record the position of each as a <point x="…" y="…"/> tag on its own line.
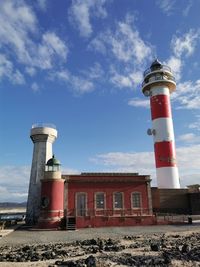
<point x="149" y="70"/>
<point x="162" y="78"/>
<point x="40" y="125"/>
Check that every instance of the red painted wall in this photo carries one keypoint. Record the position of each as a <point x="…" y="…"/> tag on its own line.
<point x="54" y="190"/>
<point x="51" y="215"/>
<point x="109" y="218"/>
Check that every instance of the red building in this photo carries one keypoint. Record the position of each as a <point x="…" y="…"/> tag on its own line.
<point x="94" y="199"/>
<point x="107" y="199"/>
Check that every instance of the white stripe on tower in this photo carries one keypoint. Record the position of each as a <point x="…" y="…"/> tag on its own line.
<point x="158" y="84"/>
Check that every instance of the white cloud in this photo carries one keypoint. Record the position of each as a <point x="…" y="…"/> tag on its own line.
<point x="127" y="51"/>
<point x="195" y="125"/>
<point x="83" y="82"/>
<point x="17" y="21"/>
<point x="49" y="50"/>
<point x="136" y="77"/>
<point x="54" y="44"/>
<point x="127" y="79"/>
<point x="31" y="71"/>
<point x="143" y="162"/>
<point x="137" y="102"/>
<point x="167" y="6"/>
<point x="175" y="64"/>
<point x="95" y="72"/>
<point x="120" y="80"/>
<point x="81" y="12"/>
<point x="186" y="10"/>
<point x="187" y="95"/>
<point x="14" y="182"/>
<point x="98" y="43"/>
<point x="35" y="87"/>
<point x="125" y="43"/>
<point x="185" y="45"/>
<point x="7" y="71"/>
<point x="78" y="84"/>
<point x="23" y="43"/>
<point x="42" y="4"/>
<point x="189" y="138"/>
<point x="68" y="171"/>
<point x="81" y="85"/>
<point x="182" y="47"/>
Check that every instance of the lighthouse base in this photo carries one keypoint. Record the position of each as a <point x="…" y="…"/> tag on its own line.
<point x="168" y="177"/>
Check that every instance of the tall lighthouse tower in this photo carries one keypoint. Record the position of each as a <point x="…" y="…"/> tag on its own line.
<point x="43" y="136"/>
<point x="158" y="84"/>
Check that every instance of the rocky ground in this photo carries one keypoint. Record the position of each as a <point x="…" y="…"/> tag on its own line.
<point x="154" y="249"/>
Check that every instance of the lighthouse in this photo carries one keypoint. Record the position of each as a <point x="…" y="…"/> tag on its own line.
<point x="158" y="84"/>
<point x="43" y="136"/>
<point x="52" y="196"/>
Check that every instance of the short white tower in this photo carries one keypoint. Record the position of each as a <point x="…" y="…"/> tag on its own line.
<point x="43" y="136"/>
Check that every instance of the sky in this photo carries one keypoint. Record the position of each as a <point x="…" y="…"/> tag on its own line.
<point x="79" y="65"/>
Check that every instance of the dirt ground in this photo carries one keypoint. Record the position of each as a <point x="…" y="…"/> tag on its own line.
<point x="103" y="247"/>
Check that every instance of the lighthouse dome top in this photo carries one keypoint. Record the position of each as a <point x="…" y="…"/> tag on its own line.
<point x="156" y="65"/>
<point x="53" y="162"/>
<point x="53" y="165"/>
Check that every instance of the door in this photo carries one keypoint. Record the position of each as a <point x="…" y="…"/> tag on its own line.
<point x="81" y="204"/>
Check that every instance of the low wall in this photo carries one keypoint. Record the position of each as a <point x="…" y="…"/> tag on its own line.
<point x="85" y="222"/>
<point x="170" y="200"/>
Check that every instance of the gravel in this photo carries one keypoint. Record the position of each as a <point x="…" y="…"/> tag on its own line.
<point x="31" y="236"/>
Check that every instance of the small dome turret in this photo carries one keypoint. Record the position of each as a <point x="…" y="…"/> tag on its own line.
<point x="53" y="164"/>
<point x="156" y="65"/>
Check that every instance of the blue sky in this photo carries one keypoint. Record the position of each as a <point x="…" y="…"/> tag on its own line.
<point x="79" y="65"/>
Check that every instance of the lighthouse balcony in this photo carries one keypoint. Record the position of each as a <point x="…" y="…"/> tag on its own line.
<point x="157" y="78"/>
<point x="154" y="69"/>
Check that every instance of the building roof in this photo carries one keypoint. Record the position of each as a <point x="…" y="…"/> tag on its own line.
<point x="106" y="177"/>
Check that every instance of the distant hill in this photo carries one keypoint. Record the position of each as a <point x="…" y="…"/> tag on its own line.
<point x="12" y="205"/>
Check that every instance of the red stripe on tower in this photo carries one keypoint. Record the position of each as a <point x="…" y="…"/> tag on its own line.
<point x="160" y="106"/>
<point x="165" y="154"/>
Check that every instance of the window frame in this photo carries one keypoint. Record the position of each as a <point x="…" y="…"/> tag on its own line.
<point x="104" y="200"/>
<point x="140" y="199"/>
<point x="122" y="205"/>
<point x="86" y="203"/>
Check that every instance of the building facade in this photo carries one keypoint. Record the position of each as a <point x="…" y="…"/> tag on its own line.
<point x="93" y="199"/>
<point x="108" y="199"/>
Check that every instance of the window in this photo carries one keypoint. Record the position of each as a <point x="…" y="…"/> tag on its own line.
<point x="44" y="202"/>
<point x="81" y="204"/>
<point x="100" y="201"/>
<point x="136" y="200"/>
<point x="118" y="200"/>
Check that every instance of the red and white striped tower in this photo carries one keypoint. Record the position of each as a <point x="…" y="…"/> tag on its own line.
<point x="159" y="83"/>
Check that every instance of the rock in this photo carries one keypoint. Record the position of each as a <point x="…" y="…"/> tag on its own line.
<point x="90" y="261"/>
<point x="185" y="248"/>
<point x="89" y="242"/>
<point x="155" y="247"/>
<point x="25" y="248"/>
